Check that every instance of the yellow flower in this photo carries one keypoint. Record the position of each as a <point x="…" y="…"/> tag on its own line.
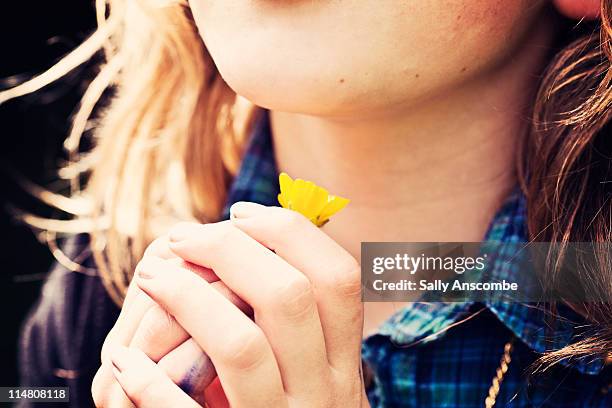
<point x="310" y="200"/>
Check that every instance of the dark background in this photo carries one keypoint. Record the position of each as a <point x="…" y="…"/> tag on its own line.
<point x="33" y="35"/>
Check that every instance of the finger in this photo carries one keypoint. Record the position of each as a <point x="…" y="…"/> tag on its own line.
<point x="238" y="348"/>
<point x="146" y="385"/>
<point x="136" y="303"/>
<point x="190" y="368"/>
<point x="281" y="296"/>
<point x="334" y="273"/>
<point x="163" y="340"/>
<point x="159" y="333"/>
<point x="143" y="324"/>
<point x="105" y="390"/>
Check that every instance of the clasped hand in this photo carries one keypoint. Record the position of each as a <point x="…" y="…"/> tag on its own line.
<point x="260" y="311"/>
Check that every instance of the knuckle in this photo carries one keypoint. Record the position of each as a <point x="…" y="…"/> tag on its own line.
<point x="105" y="348"/>
<point x="135" y="392"/>
<point x="296" y="299"/>
<point x="345" y="277"/>
<point x="244" y="350"/>
<point x="292" y="220"/>
<point x="155" y="323"/>
<point x="220" y="235"/>
<point x="179" y="290"/>
<point x="97" y="387"/>
<point x="149" y="392"/>
<point x="113" y="338"/>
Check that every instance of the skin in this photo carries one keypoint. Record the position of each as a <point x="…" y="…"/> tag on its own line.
<point x="303" y="305"/>
<point x="436" y="91"/>
<point x="277" y="54"/>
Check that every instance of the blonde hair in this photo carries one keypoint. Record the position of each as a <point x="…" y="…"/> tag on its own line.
<point x="166" y="143"/>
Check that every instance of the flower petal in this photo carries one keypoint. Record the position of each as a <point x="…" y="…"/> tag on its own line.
<point x="333" y="206"/>
<point x="286" y="183"/>
<point x="310" y="200"/>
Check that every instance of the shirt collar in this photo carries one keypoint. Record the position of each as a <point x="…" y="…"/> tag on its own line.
<point x="257" y="181"/>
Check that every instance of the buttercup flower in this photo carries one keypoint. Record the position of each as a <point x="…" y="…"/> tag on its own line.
<point x="310" y="200"/>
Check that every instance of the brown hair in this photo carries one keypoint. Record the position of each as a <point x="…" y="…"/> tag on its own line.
<point x="566" y="173"/>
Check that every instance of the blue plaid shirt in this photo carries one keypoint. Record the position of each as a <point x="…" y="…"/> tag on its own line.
<point x="446" y="354"/>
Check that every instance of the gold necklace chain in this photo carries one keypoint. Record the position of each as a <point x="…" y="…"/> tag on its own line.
<point x="504" y="363"/>
<point x="368" y="377"/>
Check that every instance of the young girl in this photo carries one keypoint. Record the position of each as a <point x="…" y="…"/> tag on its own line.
<point x="427" y="114"/>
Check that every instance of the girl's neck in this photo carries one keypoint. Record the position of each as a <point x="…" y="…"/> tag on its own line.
<point x="436" y="170"/>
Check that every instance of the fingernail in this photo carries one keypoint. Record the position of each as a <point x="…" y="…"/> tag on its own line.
<point x="179" y="232"/>
<point x="146" y="269"/>
<point x="244" y="209"/>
